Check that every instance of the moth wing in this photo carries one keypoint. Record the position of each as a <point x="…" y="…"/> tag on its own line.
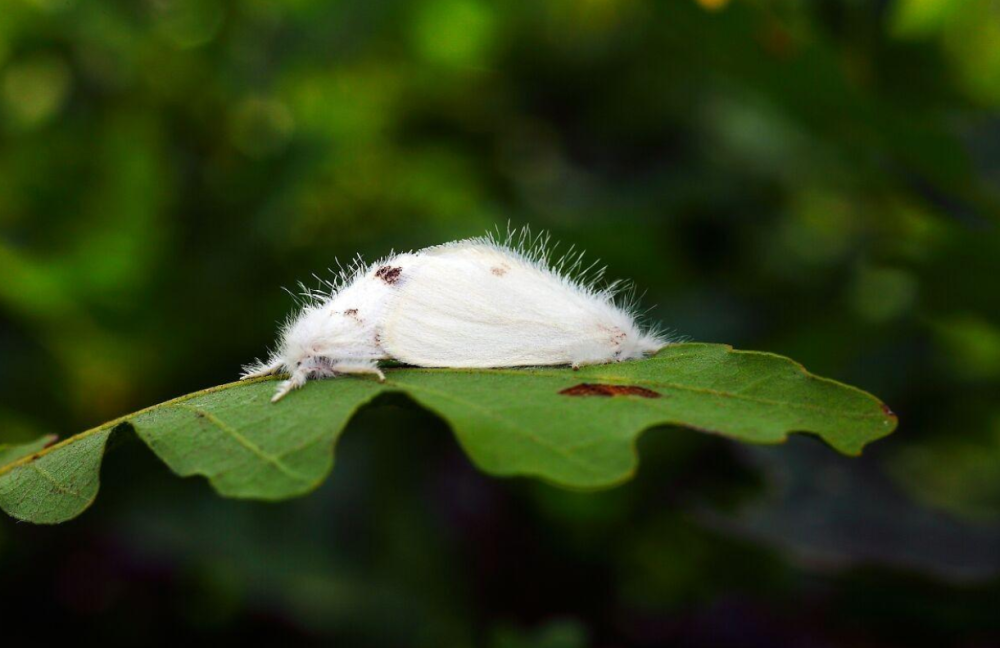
<point x="475" y="306"/>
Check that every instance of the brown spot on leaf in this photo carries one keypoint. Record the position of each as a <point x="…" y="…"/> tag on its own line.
<point x="49" y="440"/>
<point x="389" y="274"/>
<point x="888" y="412"/>
<point x="595" y="389"/>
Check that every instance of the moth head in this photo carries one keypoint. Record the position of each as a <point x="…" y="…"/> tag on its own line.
<point x="314" y="337"/>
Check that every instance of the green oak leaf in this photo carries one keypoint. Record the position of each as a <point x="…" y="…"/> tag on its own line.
<point x="12" y="452"/>
<point x="575" y="429"/>
<point x="50" y="487"/>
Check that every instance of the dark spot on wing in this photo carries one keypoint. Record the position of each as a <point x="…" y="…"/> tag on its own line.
<point x="616" y="335"/>
<point x="594" y="389"/>
<point x="389" y="274"/>
<point x="500" y="270"/>
<point x="353" y="314"/>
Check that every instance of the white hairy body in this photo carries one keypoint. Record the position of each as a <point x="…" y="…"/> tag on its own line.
<point x="476" y="303"/>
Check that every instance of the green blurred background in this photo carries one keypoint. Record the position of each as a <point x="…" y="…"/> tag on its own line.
<point x="817" y="179"/>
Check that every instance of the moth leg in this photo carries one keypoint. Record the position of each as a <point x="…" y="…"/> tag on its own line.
<point x="294" y="381"/>
<point x="259" y="370"/>
<point x="369" y="368"/>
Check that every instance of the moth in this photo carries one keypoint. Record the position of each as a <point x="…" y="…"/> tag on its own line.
<point x="484" y="302"/>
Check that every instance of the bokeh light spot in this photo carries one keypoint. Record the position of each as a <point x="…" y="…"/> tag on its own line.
<point x="52" y="6"/>
<point x="713" y="5"/>
<point x="456" y="32"/>
<point x="882" y="294"/>
<point x="972" y="345"/>
<point x="260" y="127"/>
<point x="188" y="23"/>
<point x="916" y="18"/>
<point x="35" y="89"/>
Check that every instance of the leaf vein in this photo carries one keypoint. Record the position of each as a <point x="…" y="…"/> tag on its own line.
<point x="49" y="477"/>
<point x="619" y="380"/>
<point x="246" y="443"/>
<point x="524" y="432"/>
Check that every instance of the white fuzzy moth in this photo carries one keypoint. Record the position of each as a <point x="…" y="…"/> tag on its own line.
<point x="475" y="303"/>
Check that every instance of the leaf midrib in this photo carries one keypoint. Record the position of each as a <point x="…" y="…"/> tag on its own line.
<point x="616" y="380"/>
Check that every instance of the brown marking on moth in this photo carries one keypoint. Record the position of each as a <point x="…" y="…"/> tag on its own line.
<point x="500" y="270"/>
<point x="389" y="274"/>
<point x="596" y="389"/>
<point x="353" y="314"/>
<point x="378" y="339"/>
<point x="617" y="335"/>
